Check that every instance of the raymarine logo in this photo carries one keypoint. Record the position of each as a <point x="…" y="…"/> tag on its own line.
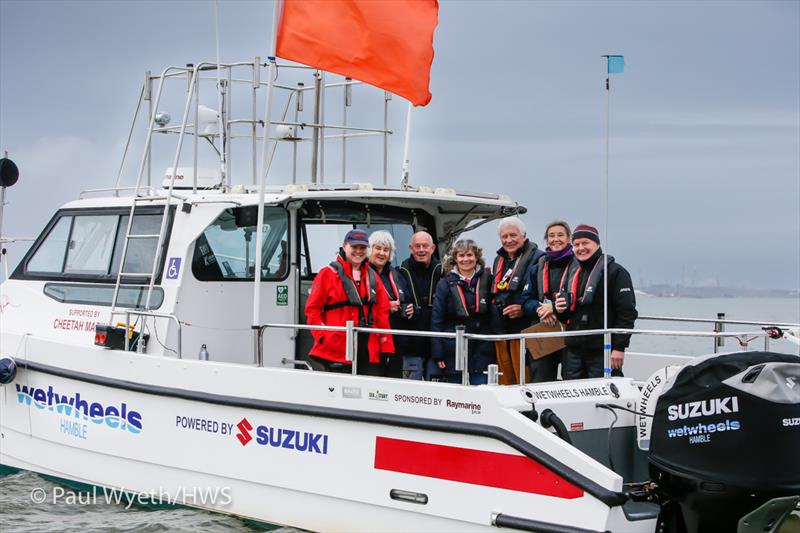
<point x="714" y="406"/>
<point x="78" y="407"/>
<point x="244" y="431"/>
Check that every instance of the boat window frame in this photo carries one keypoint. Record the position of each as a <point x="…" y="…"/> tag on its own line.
<point x="288" y="256"/>
<point x="22" y="273"/>
<point x="424" y="219"/>
<point x="156" y="302"/>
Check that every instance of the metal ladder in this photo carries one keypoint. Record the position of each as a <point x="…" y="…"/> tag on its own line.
<point x="139" y="199"/>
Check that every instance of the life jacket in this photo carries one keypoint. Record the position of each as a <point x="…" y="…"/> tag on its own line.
<point x="353" y="297"/>
<point x="394" y="290"/>
<point x="396" y="293"/>
<point x="543" y="277"/>
<point x="436" y="275"/>
<point x="510" y="281"/>
<point x="592" y="283"/>
<point x="482" y="296"/>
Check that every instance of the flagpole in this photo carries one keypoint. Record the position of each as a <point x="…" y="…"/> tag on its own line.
<point x="407" y="143"/>
<point x="606" y="336"/>
<point x="276" y="11"/>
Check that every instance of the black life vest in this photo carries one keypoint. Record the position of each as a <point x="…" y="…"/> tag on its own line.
<point x="353" y="297"/>
<point x="517" y="272"/>
<point x="543" y="277"/>
<point x="436" y="275"/>
<point x="396" y="292"/>
<point x="482" y="296"/>
<point x="586" y="296"/>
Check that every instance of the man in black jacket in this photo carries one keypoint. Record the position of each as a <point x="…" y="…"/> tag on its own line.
<point x="583" y="308"/>
<point x="421" y="272"/>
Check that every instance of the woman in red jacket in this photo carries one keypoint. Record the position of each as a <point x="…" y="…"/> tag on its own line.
<point x="348" y="289"/>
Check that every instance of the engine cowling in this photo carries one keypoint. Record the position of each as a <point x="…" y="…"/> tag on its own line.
<point x="725" y="437"/>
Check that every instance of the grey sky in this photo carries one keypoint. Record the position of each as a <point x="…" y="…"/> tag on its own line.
<point x="705" y="147"/>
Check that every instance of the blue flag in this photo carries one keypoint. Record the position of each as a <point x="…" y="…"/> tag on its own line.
<point x="616" y="64"/>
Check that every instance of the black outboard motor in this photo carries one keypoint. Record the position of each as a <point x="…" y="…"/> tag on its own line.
<point x="726" y="439"/>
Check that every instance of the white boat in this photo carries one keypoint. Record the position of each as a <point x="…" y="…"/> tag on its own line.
<point x="197" y="406"/>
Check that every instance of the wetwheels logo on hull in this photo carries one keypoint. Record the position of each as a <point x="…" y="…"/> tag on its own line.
<point x="75" y="410"/>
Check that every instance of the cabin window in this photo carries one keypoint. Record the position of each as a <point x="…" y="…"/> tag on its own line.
<point x="91" y="243"/>
<point x="87" y="245"/>
<point x="49" y="257"/>
<point x="91" y="294"/>
<point x="226" y="251"/>
<point x="322" y="241"/>
<point x="141" y="252"/>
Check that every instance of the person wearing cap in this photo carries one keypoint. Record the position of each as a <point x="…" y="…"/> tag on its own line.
<point x="348" y="289"/>
<point x="401" y="310"/>
<point x="545" y="281"/>
<point x="517" y="254"/>
<point x="580" y="305"/>
<point x="421" y="271"/>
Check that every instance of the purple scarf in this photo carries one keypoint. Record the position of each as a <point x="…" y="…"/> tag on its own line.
<point x="557" y="256"/>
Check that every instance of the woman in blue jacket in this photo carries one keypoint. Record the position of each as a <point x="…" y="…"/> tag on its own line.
<point x="462" y="298"/>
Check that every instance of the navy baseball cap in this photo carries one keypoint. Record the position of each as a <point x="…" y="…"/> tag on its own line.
<point x="356" y="237"/>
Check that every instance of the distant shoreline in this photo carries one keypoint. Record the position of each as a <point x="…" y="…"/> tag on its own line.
<point x="681" y="291"/>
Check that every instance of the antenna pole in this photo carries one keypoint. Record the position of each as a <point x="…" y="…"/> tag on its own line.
<point x="276" y="12"/>
<point x="406" y="144"/>
<point x="221" y="118"/>
<point x="614" y="65"/>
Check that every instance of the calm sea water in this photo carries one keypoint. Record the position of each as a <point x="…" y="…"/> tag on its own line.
<point x="18" y="513"/>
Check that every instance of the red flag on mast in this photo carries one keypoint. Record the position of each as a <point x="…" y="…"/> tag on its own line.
<point x="386" y="43"/>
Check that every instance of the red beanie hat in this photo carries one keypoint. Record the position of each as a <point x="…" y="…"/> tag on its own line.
<point x="585" y="231"/>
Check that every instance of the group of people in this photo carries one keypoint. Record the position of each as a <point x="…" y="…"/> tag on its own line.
<point x="562" y="284"/>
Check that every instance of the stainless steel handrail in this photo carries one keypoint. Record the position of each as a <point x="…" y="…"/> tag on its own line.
<point x="720" y="321"/>
<point x="462" y="338"/>
<point x="154" y="314"/>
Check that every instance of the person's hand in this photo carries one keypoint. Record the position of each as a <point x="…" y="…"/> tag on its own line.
<point x="394" y="306"/>
<point x="549" y="320"/>
<point x="441" y="364"/>
<point x="545" y="310"/>
<point x="617" y="359"/>
<point x="561" y="304"/>
<point x="410" y="310"/>
<point x="513" y="311"/>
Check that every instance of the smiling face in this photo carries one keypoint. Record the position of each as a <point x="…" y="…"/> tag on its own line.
<point x="422" y="247"/>
<point x="511" y="239"/>
<point x="466" y="262"/>
<point x="557" y="238"/>
<point x="380" y="255"/>
<point x="584" y="248"/>
<point x="355" y="253"/>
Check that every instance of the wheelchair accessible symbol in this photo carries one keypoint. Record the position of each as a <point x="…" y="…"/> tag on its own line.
<point x="174" y="268"/>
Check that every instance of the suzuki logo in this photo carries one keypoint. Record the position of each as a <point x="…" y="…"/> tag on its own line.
<point x="244" y="431"/>
<point x="790" y="382"/>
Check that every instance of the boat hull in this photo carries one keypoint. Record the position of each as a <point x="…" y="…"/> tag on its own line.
<point x="318" y="451"/>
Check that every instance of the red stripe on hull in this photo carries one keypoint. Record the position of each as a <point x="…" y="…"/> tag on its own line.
<point x="477" y="467"/>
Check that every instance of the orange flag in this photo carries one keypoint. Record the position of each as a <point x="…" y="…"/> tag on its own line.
<point x="386" y="43"/>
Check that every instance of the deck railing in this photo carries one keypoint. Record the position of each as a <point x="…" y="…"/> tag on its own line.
<point x="462" y="338"/>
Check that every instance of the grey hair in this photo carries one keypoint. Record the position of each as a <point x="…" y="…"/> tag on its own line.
<point x="384" y="238"/>
<point x="459" y="247"/>
<point x="557" y="223"/>
<point x="512" y="221"/>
